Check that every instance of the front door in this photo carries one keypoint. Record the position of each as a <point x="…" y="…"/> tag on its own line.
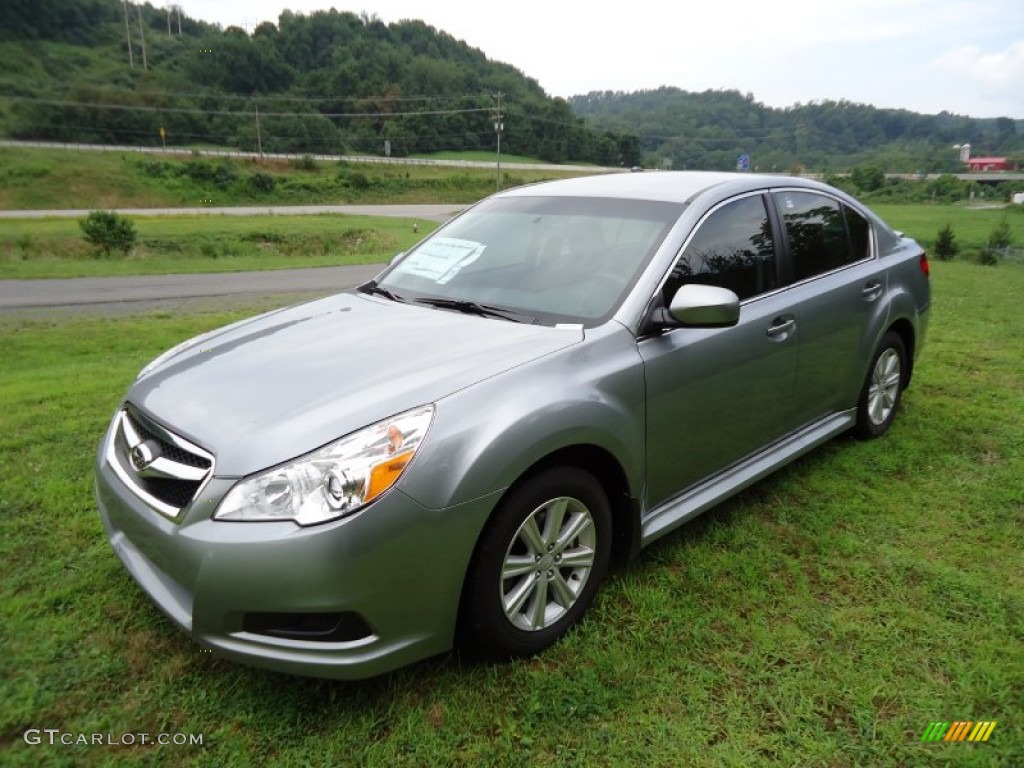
<point x="717" y="395"/>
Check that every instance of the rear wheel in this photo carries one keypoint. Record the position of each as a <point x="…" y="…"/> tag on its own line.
<point x="538" y="564"/>
<point x="880" y="397"/>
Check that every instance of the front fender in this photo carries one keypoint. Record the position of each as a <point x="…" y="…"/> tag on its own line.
<point x="486" y="436"/>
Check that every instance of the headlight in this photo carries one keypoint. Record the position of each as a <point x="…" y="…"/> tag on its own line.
<point x="334" y="481"/>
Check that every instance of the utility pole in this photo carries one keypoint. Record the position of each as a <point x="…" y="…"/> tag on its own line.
<point x="169" y="9"/>
<point x="499" y="126"/>
<point x="143" y="36"/>
<point x="128" y="34"/>
<point x="259" y="140"/>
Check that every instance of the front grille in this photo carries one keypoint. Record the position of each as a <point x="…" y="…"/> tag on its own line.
<point x="170" y="450"/>
<point x="172" y="471"/>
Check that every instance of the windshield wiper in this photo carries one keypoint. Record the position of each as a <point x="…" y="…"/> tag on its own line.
<point x="375" y="290"/>
<point x="476" y="308"/>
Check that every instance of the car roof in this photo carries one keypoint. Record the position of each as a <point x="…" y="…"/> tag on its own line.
<point x="670" y="186"/>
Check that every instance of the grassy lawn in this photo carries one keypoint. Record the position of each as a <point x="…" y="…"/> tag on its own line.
<point x="970" y="225"/>
<point x="485" y="156"/>
<point x="824" y="617"/>
<point x="42" y="248"/>
<point x="49" y="178"/>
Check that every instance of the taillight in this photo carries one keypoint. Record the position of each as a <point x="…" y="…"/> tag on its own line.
<point x="922" y="261"/>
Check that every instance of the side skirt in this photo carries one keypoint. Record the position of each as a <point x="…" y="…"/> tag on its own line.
<point x="699" y="498"/>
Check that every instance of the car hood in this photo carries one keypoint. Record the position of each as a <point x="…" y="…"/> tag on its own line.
<point x="269" y="389"/>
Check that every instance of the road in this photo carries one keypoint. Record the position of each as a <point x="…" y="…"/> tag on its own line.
<point x="438" y="213"/>
<point x="117" y="295"/>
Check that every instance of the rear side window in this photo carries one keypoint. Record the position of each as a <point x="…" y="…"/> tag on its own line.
<point x="859" y="229"/>
<point x="823" y="234"/>
<point x="732" y="248"/>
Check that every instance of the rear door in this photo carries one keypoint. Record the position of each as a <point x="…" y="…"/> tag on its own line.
<point x="836" y="292"/>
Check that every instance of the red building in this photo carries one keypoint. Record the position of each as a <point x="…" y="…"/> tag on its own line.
<point x="989" y="164"/>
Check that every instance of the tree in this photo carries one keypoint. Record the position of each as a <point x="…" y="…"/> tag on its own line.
<point x="946" y="246"/>
<point x="107" y="232"/>
<point x="868" y="178"/>
<point x="997" y="245"/>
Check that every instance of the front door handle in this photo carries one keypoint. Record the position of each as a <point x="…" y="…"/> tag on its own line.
<point x="872" y="290"/>
<point x="781" y="328"/>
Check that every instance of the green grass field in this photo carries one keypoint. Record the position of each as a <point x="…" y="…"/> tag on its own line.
<point x="971" y="225"/>
<point x="51" y="248"/>
<point x="54" y="179"/>
<point x="824" y="617"/>
<point x="482" y="156"/>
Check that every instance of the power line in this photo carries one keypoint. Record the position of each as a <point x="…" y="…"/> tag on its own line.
<point x="195" y="111"/>
<point x="483" y="97"/>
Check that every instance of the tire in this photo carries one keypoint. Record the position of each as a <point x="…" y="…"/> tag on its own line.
<point x="537" y="565"/>
<point x="883" y="390"/>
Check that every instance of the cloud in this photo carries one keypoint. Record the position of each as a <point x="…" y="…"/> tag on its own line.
<point x="994" y="70"/>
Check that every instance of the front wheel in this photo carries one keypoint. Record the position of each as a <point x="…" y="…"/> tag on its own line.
<point x="538" y="564"/>
<point x="880" y="397"/>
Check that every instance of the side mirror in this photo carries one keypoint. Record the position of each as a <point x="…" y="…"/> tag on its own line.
<point x="704" y="306"/>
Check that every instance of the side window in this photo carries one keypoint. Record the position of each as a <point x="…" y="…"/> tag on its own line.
<point x="732" y="249"/>
<point x="860" y="237"/>
<point x="823" y="234"/>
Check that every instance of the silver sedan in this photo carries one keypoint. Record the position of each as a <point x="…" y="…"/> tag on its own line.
<point x="457" y="451"/>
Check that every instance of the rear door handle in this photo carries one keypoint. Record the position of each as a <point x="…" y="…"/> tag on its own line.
<point x="872" y="290"/>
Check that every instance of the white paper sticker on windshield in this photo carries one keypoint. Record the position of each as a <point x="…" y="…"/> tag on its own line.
<point x="441" y="259"/>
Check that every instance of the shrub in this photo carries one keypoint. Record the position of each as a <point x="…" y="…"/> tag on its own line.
<point x="359" y="180"/>
<point x="305" y="163"/>
<point x="106" y="231"/>
<point x="946" y="246"/>
<point x="1000" y="239"/>
<point x="262" y="182"/>
<point x="868" y="178"/>
<point x="997" y="245"/>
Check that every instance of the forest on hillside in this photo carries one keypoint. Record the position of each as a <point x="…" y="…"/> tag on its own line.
<point x="104" y="71"/>
<point x="680" y="129"/>
<point x="327" y="82"/>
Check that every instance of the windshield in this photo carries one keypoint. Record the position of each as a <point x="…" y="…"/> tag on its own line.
<point x="553" y="259"/>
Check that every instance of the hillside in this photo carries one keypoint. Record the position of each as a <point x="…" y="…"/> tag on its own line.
<point x="711" y="130"/>
<point x="330" y="82"/>
<point x="336" y="82"/>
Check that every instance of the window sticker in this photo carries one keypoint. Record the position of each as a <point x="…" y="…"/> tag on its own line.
<point x="441" y="259"/>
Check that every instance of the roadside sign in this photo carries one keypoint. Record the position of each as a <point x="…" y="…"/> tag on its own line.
<point x="743" y="163"/>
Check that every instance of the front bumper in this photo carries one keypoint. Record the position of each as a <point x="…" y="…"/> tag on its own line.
<point x="397" y="565"/>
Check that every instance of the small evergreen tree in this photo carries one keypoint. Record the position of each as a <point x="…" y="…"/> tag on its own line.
<point x="997" y="245"/>
<point x="946" y="246"/>
<point x="107" y="232"/>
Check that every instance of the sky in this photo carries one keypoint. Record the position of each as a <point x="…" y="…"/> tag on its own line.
<point x="929" y="56"/>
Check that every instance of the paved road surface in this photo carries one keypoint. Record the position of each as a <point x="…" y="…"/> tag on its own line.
<point x="113" y="295"/>
<point x="440" y="213"/>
